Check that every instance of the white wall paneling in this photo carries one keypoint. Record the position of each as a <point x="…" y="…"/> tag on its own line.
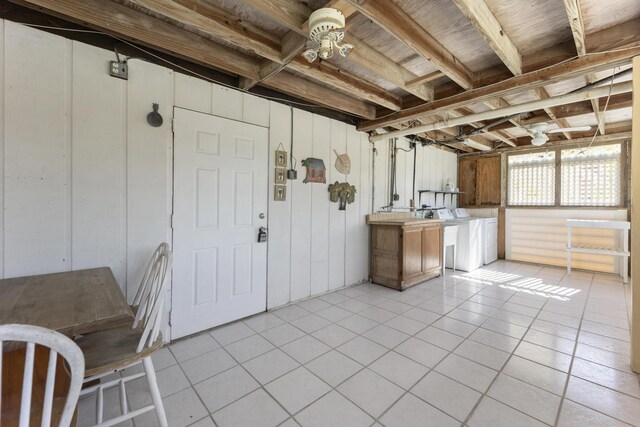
<point x="356" y="235"/>
<point x="301" y="208"/>
<point x="381" y="175"/>
<point x="86" y="179"/>
<point x="98" y="163"/>
<point x="149" y="160"/>
<point x="37" y="151"/>
<point x="192" y="93"/>
<point x="279" y="249"/>
<point x="540" y="236"/>
<point x="320" y="208"/>
<point x="337" y="218"/>
<point x="433" y="168"/>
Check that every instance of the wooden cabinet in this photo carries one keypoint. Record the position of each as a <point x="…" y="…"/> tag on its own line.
<point x="480" y="178"/>
<point x="405" y="253"/>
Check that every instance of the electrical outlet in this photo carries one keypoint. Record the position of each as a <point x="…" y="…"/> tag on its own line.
<point x="396" y="197"/>
<point x="119" y="69"/>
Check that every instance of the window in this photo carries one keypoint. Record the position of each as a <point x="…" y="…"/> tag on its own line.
<point x="532" y="179"/>
<point x="587" y="177"/>
<point x="591" y="176"/>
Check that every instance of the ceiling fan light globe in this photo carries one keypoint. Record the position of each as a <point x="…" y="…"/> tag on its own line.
<point x="310" y="54"/>
<point x="345" y="49"/>
<point x="539" y="140"/>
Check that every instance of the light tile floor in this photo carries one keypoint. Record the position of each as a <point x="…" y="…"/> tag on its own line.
<point x="507" y="345"/>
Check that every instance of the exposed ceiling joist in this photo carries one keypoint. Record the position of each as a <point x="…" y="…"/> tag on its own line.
<point x="574" y="13"/>
<point x="213" y="21"/>
<point x="141" y="28"/>
<point x="611" y="137"/>
<point x="488" y="26"/>
<point x="566" y="70"/>
<point x="303" y="88"/>
<point x="500" y="136"/>
<point x="398" y="23"/>
<point x="491" y="30"/>
<point x="597" y="92"/>
<point x="294" y="16"/>
<point x="292" y="44"/>
<point x="424" y="79"/>
<point x="616" y="102"/>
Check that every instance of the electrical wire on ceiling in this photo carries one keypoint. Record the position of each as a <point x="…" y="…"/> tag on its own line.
<point x="604" y="110"/>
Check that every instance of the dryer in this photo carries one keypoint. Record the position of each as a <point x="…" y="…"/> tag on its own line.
<point x="489" y="232"/>
<point x="468" y="242"/>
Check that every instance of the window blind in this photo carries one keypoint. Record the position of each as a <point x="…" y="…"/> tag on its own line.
<point x="591" y="176"/>
<point x="532" y="179"/>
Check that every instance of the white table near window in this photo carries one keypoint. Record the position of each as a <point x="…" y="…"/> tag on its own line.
<point x="623" y="228"/>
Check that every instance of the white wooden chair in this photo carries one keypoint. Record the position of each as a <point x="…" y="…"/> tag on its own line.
<point x="114" y="350"/>
<point x="55" y="411"/>
<point x="449" y="237"/>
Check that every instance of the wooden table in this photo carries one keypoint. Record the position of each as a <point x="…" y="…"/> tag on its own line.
<point x="72" y="303"/>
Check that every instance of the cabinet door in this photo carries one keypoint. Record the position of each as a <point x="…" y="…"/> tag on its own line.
<point x="488" y="181"/>
<point x="412" y="252"/>
<point x="431" y="252"/>
<point x="467" y="182"/>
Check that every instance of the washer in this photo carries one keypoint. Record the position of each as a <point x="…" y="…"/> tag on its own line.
<point x="468" y="242"/>
<point x="489" y="231"/>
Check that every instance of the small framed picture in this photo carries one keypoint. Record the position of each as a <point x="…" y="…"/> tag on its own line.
<point x="281" y="176"/>
<point x="281" y="159"/>
<point x="279" y="193"/>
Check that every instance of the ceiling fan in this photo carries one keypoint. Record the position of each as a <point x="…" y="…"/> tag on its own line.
<point x="539" y="132"/>
<point x="327" y="28"/>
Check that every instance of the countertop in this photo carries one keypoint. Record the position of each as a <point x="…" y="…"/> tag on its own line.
<point x="403" y="221"/>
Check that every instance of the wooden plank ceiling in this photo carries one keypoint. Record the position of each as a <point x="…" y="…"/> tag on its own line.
<point x="414" y="61"/>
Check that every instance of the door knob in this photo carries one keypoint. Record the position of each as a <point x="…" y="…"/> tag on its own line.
<point x="261" y="216"/>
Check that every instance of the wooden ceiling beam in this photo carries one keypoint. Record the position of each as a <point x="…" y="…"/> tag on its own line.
<point x="474" y="143"/>
<point x="568" y="111"/>
<point x="570" y="69"/>
<point x="620" y="36"/>
<point x="524" y="144"/>
<point x="294" y="15"/>
<point x="390" y="17"/>
<point x="292" y="45"/>
<point x="425" y="79"/>
<point x="500" y="136"/>
<point x="138" y="27"/>
<point x="574" y="13"/>
<point x="489" y="27"/>
<point x="303" y="88"/>
<point x="213" y="21"/>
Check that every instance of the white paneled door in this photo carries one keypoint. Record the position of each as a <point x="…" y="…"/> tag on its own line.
<point x="220" y="202"/>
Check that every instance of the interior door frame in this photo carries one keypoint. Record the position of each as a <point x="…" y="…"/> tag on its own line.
<point x="171" y="200"/>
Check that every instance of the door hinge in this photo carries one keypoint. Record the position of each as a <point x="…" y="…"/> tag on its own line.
<point x="173" y="125"/>
<point x="170" y="317"/>
<point x="171" y="221"/>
